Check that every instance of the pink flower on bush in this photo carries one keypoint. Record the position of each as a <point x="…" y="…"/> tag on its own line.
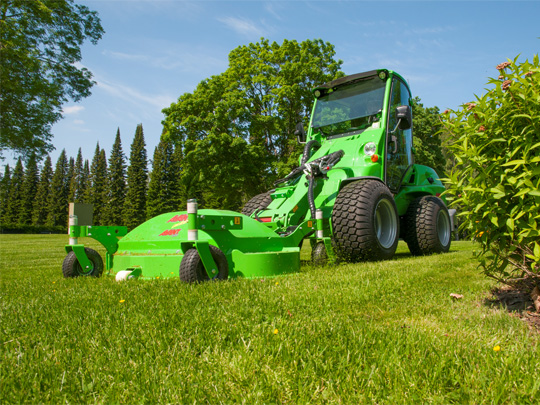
<point x="506" y="84"/>
<point x="503" y="65"/>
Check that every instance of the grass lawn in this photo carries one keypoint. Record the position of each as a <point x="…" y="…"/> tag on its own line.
<point x="384" y="332"/>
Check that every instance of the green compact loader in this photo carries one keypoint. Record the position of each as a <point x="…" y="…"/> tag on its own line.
<point x="354" y="194"/>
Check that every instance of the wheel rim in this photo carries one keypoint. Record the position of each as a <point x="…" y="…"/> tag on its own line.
<point x="385" y="223"/>
<point x="83" y="272"/>
<point x="443" y="227"/>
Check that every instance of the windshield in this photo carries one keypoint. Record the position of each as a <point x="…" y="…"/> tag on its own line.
<point x="350" y="107"/>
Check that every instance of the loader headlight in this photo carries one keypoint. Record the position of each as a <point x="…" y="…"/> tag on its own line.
<point x="370" y="148"/>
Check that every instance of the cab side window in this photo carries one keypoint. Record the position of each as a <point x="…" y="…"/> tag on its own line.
<point x="398" y="142"/>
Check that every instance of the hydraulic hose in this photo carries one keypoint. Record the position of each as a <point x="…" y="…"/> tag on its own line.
<point x="311" y="197"/>
<point x="326" y="161"/>
<point x="307" y="150"/>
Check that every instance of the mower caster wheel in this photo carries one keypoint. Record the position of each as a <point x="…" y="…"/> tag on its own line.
<point x="193" y="271"/>
<point x="319" y="256"/>
<point x="72" y="268"/>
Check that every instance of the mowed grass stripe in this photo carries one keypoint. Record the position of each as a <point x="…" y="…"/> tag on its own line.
<point x="383" y="332"/>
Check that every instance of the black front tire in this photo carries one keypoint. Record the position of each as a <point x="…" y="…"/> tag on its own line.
<point x="259" y="202"/>
<point x="193" y="271"/>
<point x="428" y="228"/>
<point x="72" y="268"/>
<point x="365" y="222"/>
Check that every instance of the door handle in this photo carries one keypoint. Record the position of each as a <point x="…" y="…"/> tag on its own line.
<point x="394" y="140"/>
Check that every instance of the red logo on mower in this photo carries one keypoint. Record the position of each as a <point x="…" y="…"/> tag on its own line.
<point x="179" y="218"/>
<point x="170" y="232"/>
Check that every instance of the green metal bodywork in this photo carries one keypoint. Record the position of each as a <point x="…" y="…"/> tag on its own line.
<point x="272" y="247"/>
<point x="156" y="247"/>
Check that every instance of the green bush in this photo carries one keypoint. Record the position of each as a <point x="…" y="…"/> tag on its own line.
<point x="28" y="229"/>
<point x="496" y="179"/>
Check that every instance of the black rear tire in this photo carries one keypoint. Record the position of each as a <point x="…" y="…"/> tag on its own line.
<point x="193" y="271"/>
<point x="428" y="228"/>
<point x="259" y="202"/>
<point x="71" y="267"/>
<point x="365" y="223"/>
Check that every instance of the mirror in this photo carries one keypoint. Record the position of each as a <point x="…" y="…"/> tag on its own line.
<point x="300" y="132"/>
<point x="404" y="117"/>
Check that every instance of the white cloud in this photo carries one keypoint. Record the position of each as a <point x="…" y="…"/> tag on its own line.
<point x="78" y="122"/>
<point x="135" y="96"/>
<point x="72" y="109"/>
<point x="244" y="26"/>
<point x="125" y="56"/>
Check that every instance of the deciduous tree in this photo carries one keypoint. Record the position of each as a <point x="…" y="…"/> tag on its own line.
<point x="245" y="118"/>
<point x="40" y="45"/>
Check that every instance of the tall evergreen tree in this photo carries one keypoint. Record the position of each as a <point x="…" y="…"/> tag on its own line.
<point x="71" y="178"/>
<point x="41" y="202"/>
<point x="137" y="182"/>
<point x="85" y="183"/>
<point x="29" y="190"/>
<point x="76" y="187"/>
<point x="96" y="194"/>
<point x="116" y="184"/>
<point x="58" y="198"/>
<point x="14" y="200"/>
<point x="4" y="192"/>
<point x="180" y="198"/>
<point x="163" y="185"/>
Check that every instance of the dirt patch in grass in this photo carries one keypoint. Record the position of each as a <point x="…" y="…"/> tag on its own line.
<point x="518" y="303"/>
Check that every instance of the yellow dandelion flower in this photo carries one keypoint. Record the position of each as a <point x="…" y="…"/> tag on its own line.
<point x="497" y="348"/>
<point x="277" y="282"/>
<point x="122" y="301"/>
<point x="275" y="331"/>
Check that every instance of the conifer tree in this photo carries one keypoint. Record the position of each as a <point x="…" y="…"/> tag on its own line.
<point x="41" y="202"/>
<point x="163" y="185"/>
<point x="116" y="184"/>
<point x="71" y="178"/>
<point x="97" y="184"/>
<point x="76" y="186"/>
<point x="29" y="190"/>
<point x="14" y="199"/>
<point x="58" y="197"/>
<point x="85" y="183"/>
<point x="4" y="192"/>
<point x="180" y="198"/>
<point x="137" y="182"/>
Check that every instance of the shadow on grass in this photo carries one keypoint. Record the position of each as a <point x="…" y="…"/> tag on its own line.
<point x="517" y="303"/>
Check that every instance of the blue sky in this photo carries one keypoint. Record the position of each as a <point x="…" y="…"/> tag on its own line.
<point x="154" y="51"/>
